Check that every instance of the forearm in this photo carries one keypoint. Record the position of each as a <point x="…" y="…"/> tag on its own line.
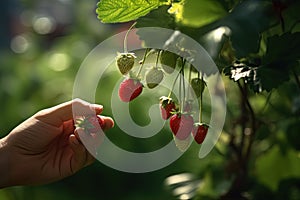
<point x="5" y="179"/>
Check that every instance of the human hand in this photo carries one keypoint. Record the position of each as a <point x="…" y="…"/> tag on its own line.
<point x="46" y="147"/>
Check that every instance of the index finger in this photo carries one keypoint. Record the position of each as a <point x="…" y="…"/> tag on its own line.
<point x="58" y="114"/>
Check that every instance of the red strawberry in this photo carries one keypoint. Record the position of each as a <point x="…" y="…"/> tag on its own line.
<point x="167" y="107"/>
<point x="91" y="123"/>
<point x="199" y="132"/>
<point x="130" y="89"/>
<point x="181" y="125"/>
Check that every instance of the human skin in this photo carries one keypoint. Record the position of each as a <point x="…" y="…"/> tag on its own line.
<point x="46" y="147"/>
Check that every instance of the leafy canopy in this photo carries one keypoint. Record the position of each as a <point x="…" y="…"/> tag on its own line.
<point x="261" y="47"/>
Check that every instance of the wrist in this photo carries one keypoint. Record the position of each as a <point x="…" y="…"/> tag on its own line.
<point x="5" y="179"/>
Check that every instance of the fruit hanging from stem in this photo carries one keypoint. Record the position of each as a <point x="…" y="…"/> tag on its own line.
<point x="181" y="125"/>
<point x="129" y="89"/>
<point x="167" y="107"/>
<point x="125" y="62"/>
<point x="199" y="132"/>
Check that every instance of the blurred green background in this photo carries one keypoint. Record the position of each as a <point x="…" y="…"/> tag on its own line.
<point x="43" y="44"/>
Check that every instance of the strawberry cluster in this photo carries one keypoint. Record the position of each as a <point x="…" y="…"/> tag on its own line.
<point x="182" y="124"/>
<point x="181" y="120"/>
<point x="131" y="87"/>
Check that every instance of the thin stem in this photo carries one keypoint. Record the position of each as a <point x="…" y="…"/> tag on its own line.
<point x="201" y="98"/>
<point x="282" y="22"/>
<point x="266" y="103"/>
<point x="253" y="120"/>
<point x="158" y="53"/>
<point x="173" y="85"/>
<point x="169" y="95"/>
<point x="143" y="61"/>
<point x="180" y="96"/>
<point x="190" y="77"/>
<point x="183" y="85"/>
<point x="125" y="39"/>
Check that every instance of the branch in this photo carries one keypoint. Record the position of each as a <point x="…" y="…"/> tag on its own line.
<point x="252" y="117"/>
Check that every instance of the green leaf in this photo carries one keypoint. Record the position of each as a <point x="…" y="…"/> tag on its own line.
<point x="247" y="21"/>
<point x="114" y="11"/>
<point x="273" y="166"/>
<point x="283" y="48"/>
<point x="292" y="135"/>
<point x="272" y="77"/>
<point x="197" y="13"/>
<point x="260" y="77"/>
<point x="156" y="18"/>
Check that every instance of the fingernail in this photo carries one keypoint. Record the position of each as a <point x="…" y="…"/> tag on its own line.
<point x="97" y="106"/>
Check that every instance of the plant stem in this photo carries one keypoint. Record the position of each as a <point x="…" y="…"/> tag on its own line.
<point x="143" y="61"/>
<point x="183" y="87"/>
<point x="156" y="63"/>
<point x="201" y="101"/>
<point x="169" y="95"/>
<point x="125" y="39"/>
<point x="190" y="77"/>
<point x="180" y="96"/>
<point x="253" y="120"/>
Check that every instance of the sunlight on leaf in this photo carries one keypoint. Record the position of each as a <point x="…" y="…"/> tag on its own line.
<point x="113" y="11"/>
<point x="197" y="13"/>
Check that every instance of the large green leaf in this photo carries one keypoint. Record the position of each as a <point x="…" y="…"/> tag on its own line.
<point x="114" y="11"/>
<point x="156" y="18"/>
<point x="197" y="13"/>
<point x="274" y="166"/>
<point x="281" y="48"/>
<point x="247" y="21"/>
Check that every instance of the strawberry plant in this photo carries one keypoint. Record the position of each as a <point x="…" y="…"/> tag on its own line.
<point x="256" y="46"/>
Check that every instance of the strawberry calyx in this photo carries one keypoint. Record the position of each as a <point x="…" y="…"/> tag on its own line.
<point x="90" y="123"/>
<point x="164" y="101"/>
<point x="167" y="107"/>
<point x="205" y="125"/>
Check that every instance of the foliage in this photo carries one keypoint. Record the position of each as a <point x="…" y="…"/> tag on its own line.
<point x="257" y="155"/>
<point x="259" y="51"/>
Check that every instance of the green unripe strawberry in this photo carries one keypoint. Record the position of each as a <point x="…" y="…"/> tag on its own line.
<point x="198" y="86"/>
<point x="168" y="60"/>
<point x="153" y="77"/>
<point x="125" y="62"/>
